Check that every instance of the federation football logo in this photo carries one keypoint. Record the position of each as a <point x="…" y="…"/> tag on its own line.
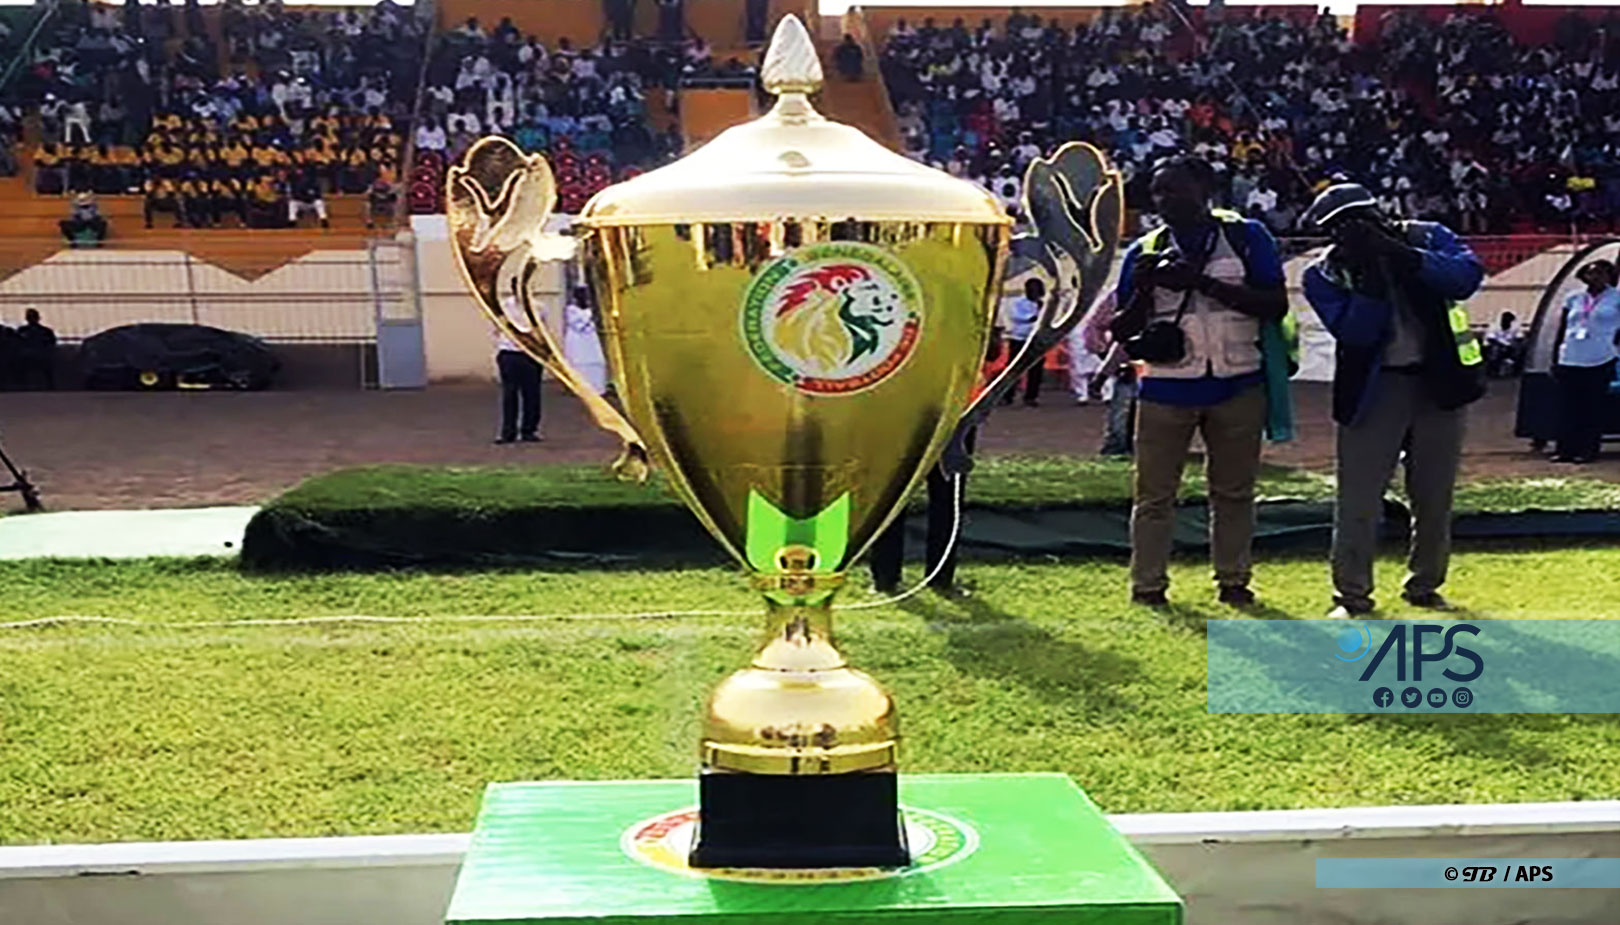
<point x="832" y="318"/>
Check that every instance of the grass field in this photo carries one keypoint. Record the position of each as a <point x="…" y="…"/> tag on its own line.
<point x="122" y="733"/>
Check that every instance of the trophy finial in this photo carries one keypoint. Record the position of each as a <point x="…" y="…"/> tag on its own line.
<point x="791" y="63"/>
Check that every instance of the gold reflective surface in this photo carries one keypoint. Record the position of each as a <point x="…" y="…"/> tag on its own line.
<point x="671" y="305"/>
<point x="725" y="428"/>
<point x="497" y="202"/>
<point x="795" y="319"/>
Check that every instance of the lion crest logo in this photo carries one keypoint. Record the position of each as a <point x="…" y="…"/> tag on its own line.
<point x="832" y="318"/>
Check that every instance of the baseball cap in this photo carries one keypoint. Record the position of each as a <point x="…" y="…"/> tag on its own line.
<point x="1335" y="200"/>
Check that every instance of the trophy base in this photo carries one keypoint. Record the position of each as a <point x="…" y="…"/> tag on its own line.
<point x="798" y="821"/>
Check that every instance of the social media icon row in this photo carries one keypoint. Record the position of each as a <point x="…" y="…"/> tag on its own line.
<point x="1412" y="698"/>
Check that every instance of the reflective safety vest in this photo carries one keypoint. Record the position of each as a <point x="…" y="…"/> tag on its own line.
<point x="1232" y="229"/>
<point x="1468" y="352"/>
<point x="1462" y="335"/>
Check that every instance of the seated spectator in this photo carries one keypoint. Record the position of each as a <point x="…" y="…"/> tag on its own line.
<point x="163" y="195"/>
<point x="431" y="136"/>
<point x="229" y="194"/>
<point x="50" y="170"/>
<point x="196" y="199"/>
<point x="380" y="202"/>
<point x="266" y="202"/>
<point x="304" y="195"/>
<point x="1504" y="348"/>
<point x="849" y="58"/>
<point x="84" y="226"/>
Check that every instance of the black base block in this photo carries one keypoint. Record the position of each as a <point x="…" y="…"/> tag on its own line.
<point x="826" y="820"/>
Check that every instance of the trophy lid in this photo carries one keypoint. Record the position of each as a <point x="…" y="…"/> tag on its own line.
<point x="792" y="163"/>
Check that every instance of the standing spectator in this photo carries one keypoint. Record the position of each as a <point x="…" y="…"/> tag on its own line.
<point x="1586" y="361"/>
<point x="755" y="15"/>
<point x="582" y="346"/>
<point x="36" y="352"/>
<point x="849" y="58"/>
<point x="621" y="17"/>
<point x="1205" y="283"/>
<point x="520" y="392"/>
<point x="1405" y="368"/>
<point x="671" y="20"/>
<point x="1114" y="374"/>
<point x="944" y="501"/>
<point x="10" y="357"/>
<point x="76" y="123"/>
<point x="1022" y="316"/>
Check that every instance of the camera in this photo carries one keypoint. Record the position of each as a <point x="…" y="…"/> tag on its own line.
<point x="1159" y="342"/>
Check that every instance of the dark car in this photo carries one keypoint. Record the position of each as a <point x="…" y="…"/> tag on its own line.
<point x="176" y="356"/>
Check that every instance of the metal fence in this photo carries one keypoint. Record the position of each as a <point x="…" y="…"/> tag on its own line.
<point x="319" y="297"/>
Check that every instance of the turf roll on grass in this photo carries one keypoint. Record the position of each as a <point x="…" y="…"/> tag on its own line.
<point x="398" y="516"/>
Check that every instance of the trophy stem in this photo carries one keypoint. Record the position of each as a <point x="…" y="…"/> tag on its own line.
<point x="798" y="636"/>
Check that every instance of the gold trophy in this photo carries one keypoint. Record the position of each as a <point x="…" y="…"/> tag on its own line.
<point x="795" y="319"/>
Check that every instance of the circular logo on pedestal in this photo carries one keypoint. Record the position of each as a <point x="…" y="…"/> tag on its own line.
<point x="832" y="318"/>
<point x="665" y="841"/>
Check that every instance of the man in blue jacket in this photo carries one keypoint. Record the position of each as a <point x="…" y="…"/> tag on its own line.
<point x="1407" y="364"/>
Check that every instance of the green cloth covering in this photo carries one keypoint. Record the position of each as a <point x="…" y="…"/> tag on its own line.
<point x="1279" y="360"/>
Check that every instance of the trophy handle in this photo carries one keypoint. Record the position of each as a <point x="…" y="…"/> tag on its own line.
<point x="500" y="242"/>
<point x="1076" y="201"/>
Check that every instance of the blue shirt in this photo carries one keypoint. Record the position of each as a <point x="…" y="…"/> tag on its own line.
<point x="1021" y="319"/>
<point x="1262" y="269"/>
<point x="1590" y="325"/>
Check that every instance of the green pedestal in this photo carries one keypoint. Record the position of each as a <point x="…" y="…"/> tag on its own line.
<point x="987" y="848"/>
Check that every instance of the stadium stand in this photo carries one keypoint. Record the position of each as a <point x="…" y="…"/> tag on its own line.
<point x="1453" y="118"/>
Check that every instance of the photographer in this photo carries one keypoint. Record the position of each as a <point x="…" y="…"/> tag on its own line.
<point x="1406" y="365"/>
<point x="1195" y="295"/>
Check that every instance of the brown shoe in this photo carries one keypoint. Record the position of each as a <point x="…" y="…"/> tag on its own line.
<point x="1236" y="595"/>
<point x="1150" y="599"/>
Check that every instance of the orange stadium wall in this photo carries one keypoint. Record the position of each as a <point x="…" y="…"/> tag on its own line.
<point x="706" y="113"/>
<point x="582" y="22"/>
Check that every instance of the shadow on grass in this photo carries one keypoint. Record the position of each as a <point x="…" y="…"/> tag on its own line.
<point x="984" y="641"/>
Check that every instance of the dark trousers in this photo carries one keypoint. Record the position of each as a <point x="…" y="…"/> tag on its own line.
<point x="37" y="372"/>
<point x="1583" y="391"/>
<point x="890" y="548"/>
<point x="1032" y="379"/>
<point x="520" y="386"/>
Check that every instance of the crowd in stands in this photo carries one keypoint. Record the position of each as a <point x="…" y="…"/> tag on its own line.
<point x="1451" y="120"/>
<point x="140" y="99"/>
<point x="297" y="106"/>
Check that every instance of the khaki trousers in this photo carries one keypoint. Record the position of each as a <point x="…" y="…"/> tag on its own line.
<point x="1231" y="432"/>
<point x="1400" y="417"/>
